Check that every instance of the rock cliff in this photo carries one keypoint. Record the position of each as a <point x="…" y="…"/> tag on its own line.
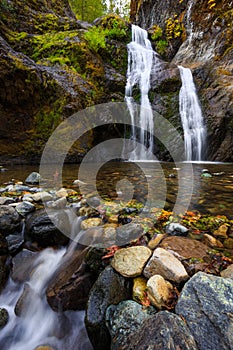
<point x="198" y="35"/>
<point x="50" y="68"/>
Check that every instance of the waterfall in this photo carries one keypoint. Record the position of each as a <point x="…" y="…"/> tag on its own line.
<point x="37" y="323"/>
<point x="140" y="62"/>
<point x="191" y="117"/>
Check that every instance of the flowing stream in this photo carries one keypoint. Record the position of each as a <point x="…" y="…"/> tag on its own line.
<point x="191" y="117"/>
<point x="140" y="62"/>
<point x="37" y="324"/>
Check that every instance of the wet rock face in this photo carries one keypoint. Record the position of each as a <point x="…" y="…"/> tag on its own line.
<point x="206" y="303"/>
<point x="9" y="220"/>
<point x="198" y="36"/>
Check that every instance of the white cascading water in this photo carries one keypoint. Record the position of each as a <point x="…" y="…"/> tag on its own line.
<point x="191" y="117"/>
<point x="38" y="324"/>
<point x="140" y="62"/>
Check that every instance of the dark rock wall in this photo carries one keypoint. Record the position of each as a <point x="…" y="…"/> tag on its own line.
<point x="198" y="34"/>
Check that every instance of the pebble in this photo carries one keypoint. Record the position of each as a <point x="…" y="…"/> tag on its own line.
<point x="211" y="241"/>
<point x="167" y="265"/>
<point x="42" y="196"/>
<point x="154" y="242"/>
<point x="175" y="229"/>
<point x="139" y="289"/>
<point x="221" y="232"/>
<point x="129" y="262"/>
<point x="91" y="222"/>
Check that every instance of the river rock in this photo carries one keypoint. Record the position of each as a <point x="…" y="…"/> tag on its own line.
<point x="22" y="265"/>
<point x="167" y="265"/>
<point x="139" y="289"/>
<point x="3" y="245"/>
<point x="70" y="285"/>
<point x="25" y="208"/>
<point x="176" y="229"/>
<point x="4" y="271"/>
<point x="228" y="243"/>
<point x="184" y="247"/>
<point x="159" y="291"/>
<point x="57" y="204"/>
<point x="228" y="272"/>
<point x="154" y="242"/>
<point x="42" y="196"/>
<point x="6" y="200"/>
<point x="62" y="193"/>
<point x="9" y="220"/>
<point x="221" y="232"/>
<point x="129" y="262"/>
<point x="125" y="319"/>
<point x="34" y="178"/>
<point x="41" y="228"/>
<point x="206" y="304"/>
<point x="110" y="288"/>
<point x="127" y="233"/>
<point x="4" y="316"/>
<point x="22" y="302"/>
<point x="14" y="242"/>
<point x="162" y="331"/>
<point x="211" y="241"/>
<point x="91" y="222"/>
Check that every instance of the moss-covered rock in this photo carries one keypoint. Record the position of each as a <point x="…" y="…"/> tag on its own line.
<point x="49" y="70"/>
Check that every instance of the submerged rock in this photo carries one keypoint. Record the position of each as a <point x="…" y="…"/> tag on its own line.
<point x="159" y="332"/>
<point x="125" y="319"/>
<point x="206" y="303"/>
<point x="110" y="288"/>
<point x="129" y="262"/>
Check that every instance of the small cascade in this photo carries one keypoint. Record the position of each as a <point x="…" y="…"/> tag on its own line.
<point x="140" y="61"/>
<point x="191" y="117"/>
<point x="37" y="323"/>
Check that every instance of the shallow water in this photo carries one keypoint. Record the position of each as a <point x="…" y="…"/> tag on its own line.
<point x="158" y="183"/>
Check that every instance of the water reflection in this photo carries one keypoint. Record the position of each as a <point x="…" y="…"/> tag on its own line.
<point x="156" y="182"/>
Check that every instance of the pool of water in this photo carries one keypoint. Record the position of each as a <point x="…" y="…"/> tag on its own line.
<point x="160" y="184"/>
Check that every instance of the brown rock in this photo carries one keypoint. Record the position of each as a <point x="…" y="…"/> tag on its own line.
<point x="159" y="291"/>
<point x="184" y="247"/>
<point x="70" y="286"/>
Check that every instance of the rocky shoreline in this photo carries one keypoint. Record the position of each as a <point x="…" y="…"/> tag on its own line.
<point x="158" y="282"/>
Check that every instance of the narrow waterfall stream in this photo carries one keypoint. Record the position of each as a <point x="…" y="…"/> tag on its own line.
<point x="191" y="117"/>
<point x="140" y="62"/>
<point x="37" y="324"/>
